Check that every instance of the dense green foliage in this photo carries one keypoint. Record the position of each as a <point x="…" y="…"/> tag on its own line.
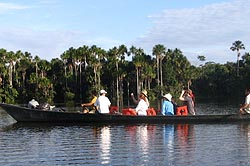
<point x="80" y="70"/>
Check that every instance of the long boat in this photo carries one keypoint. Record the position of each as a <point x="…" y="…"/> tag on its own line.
<point x="25" y="114"/>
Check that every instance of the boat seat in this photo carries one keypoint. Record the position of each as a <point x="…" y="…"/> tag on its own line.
<point x="182" y="110"/>
<point x="129" y="111"/>
<point x="113" y="109"/>
<point x="151" y="112"/>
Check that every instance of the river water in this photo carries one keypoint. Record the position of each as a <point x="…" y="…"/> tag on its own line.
<point x="140" y="145"/>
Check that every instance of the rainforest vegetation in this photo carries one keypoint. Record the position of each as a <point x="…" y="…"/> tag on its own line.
<point x="120" y="71"/>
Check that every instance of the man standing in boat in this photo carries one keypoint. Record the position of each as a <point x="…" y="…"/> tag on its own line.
<point x="102" y="103"/>
<point x="245" y="108"/>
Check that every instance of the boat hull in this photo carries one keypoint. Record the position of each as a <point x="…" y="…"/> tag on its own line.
<point x="23" y="114"/>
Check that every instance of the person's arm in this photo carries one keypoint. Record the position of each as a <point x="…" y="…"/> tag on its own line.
<point x="96" y="104"/>
<point x="181" y="96"/>
<point x="92" y="102"/>
<point x="133" y="98"/>
<point x="245" y="105"/>
<point x="163" y="108"/>
<point x="86" y="104"/>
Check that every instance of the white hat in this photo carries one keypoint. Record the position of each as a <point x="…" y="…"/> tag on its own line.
<point x="168" y="96"/>
<point x="102" y="91"/>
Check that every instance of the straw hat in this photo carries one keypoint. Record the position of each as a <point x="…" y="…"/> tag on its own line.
<point x="145" y="93"/>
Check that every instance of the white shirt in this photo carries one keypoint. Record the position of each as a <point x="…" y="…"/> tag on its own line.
<point x="142" y="107"/>
<point x="247" y="102"/>
<point x="103" y="104"/>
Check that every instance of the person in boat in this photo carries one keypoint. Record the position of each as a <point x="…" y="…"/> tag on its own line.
<point x="102" y="103"/>
<point x="137" y="101"/>
<point x="245" y="108"/>
<point x="89" y="107"/>
<point x="33" y="103"/>
<point x="186" y="96"/>
<point x="45" y="106"/>
<point x="143" y="104"/>
<point x="167" y="105"/>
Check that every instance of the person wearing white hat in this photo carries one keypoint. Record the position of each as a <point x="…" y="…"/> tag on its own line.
<point x="102" y="103"/>
<point x="167" y="105"/>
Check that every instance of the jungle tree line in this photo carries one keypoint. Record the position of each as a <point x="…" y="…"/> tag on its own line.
<point x="120" y="70"/>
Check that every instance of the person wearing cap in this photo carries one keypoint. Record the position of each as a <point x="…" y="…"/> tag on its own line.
<point x="143" y="104"/>
<point x="186" y="96"/>
<point x="102" y="103"/>
<point x="167" y="105"/>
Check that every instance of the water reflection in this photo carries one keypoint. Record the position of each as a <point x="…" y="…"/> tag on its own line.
<point x="105" y="145"/>
<point x="102" y="135"/>
<point x="168" y="135"/>
<point x="140" y="138"/>
<point x="185" y="141"/>
<point x="245" y="133"/>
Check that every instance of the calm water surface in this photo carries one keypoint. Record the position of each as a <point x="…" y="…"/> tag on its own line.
<point x="159" y="144"/>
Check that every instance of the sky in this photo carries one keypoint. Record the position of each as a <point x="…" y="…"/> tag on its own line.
<point x="47" y="28"/>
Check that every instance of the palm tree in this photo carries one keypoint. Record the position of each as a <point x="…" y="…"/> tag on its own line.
<point x="159" y="51"/>
<point x="36" y="60"/>
<point x="23" y="66"/>
<point x="117" y="56"/>
<point x="149" y="74"/>
<point x="138" y="62"/>
<point x="44" y="66"/>
<point x="237" y="46"/>
<point x="83" y="53"/>
<point x="201" y="58"/>
<point x="97" y="56"/>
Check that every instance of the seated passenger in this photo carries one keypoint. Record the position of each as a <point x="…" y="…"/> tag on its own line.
<point x="143" y="104"/>
<point x="102" y="103"/>
<point x="89" y="107"/>
<point x="167" y="105"/>
<point x="245" y="108"/>
<point x="33" y="104"/>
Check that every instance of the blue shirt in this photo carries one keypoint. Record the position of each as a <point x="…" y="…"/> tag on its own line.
<point x="167" y="108"/>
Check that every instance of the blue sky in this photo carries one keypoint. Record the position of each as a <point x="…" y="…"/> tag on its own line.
<point x="47" y="28"/>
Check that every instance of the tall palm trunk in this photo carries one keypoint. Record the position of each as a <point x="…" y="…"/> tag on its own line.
<point x="117" y="87"/>
<point x="137" y="80"/>
<point x="238" y="62"/>
<point x="10" y="74"/>
<point x="161" y="75"/>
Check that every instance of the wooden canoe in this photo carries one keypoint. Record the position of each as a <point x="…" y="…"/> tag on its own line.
<point x="24" y="114"/>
